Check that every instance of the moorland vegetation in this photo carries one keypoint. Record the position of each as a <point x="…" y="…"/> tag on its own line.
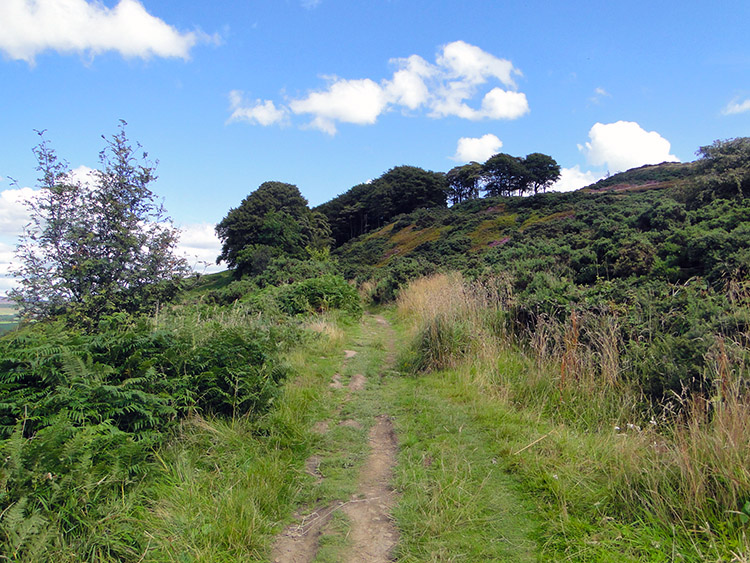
<point x="616" y="319"/>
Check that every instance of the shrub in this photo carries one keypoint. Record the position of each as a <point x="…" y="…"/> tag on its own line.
<point x="318" y="295"/>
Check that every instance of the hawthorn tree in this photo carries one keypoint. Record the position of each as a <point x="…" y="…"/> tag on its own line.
<point x="725" y="167"/>
<point x="97" y="247"/>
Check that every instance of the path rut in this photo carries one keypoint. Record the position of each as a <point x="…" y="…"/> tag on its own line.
<point x="373" y="533"/>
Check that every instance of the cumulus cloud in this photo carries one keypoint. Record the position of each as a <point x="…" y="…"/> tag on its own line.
<point x="623" y="145"/>
<point x="736" y="106"/>
<point x="462" y="82"/>
<point x="347" y="101"/>
<point x="7" y="253"/>
<point x="260" y="112"/>
<point x="28" y="28"/>
<point x="477" y="149"/>
<point x="574" y="179"/>
<point x="14" y="217"/>
<point x="13" y="212"/>
<point x="408" y="87"/>
<point x="200" y="246"/>
<point x="470" y="64"/>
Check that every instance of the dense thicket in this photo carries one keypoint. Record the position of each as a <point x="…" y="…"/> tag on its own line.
<point x="370" y="206"/>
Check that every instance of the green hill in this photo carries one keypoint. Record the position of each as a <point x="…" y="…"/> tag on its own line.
<point x="665" y="249"/>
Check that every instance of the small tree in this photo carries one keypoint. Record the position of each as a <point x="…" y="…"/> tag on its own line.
<point x="464" y="182"/>
<point x="725" y="168"/>
<point x="541" y="171"/>
<point x="94" y="248"/>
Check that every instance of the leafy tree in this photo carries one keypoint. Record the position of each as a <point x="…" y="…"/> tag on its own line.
<point x="370" y="206"/>
<point x="504" y="174"/>
<point x="464" y="182"/>
<point x="726" y="167"/>
<point x="541" y="171"/>
<point x="272" y="221"/>
<point x="94" y="249"/>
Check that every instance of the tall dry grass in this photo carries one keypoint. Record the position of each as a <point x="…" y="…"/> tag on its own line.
<point x="453" y="320"/>
<point x="689" y="470"/>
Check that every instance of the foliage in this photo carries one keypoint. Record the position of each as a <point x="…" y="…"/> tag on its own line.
<point x="663" y="263"/>
<point x="366" y="207"/>
<point x="464" y="182"/>
<point x="273" y="221"/>
<point x="597" y="455"/>
<point x="726" y="168"/>
<point x="319" y="294"/>
<point x="91" y="250"/>
<point x="504" y="174"/>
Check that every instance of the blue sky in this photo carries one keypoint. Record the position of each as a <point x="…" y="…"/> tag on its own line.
<point x="327" y="94"/>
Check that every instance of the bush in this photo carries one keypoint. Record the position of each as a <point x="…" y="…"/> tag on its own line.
<point x="319" y="294"/>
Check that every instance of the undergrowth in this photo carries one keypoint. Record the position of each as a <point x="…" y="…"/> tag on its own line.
<point x="675" y="471"/>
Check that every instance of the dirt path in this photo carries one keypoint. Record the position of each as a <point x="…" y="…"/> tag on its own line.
<point x="372" y="534"/>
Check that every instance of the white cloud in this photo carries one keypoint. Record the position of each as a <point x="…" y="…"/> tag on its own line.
<point x="200" y="246"/>
<point x="624" y="145"/>
<point x="477" y="149"/>
<point x="310" y="4"/>
<point x="459" y="76"/>
<point x="7" y="254"/>
<point x="13" y="217"/>
<point x="347" y="101"/>
<point x="599" y="93"/>
<point x="13" y="212"/>
<point x="472" y="65"/>
<point x="502" y="104"/>
<point x="573" y="179"/>
<point x="262" y="112"/>
<point x="408" y="86"/>
<point x="28" y="28"/>
<point x="736" y="106"/>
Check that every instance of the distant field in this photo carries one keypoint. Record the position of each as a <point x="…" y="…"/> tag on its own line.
<point x="8" y="318"/>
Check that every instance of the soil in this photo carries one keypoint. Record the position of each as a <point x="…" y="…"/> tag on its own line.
<point x="372" y="533"/>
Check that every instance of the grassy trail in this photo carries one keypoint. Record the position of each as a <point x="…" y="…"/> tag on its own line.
<point x="402" y="470"/>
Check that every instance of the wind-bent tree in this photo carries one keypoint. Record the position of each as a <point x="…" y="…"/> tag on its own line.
<point x="272" y="221"/>
<point x="541" y="171"/>
<point x="98" y="247"/>
<point x="464" y="182"/>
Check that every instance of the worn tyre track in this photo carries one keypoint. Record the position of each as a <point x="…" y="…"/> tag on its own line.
<point x="372" y="534"/>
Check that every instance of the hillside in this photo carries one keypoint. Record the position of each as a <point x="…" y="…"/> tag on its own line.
<point x="648" y="244"/>
<point x="556" y="377"/>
